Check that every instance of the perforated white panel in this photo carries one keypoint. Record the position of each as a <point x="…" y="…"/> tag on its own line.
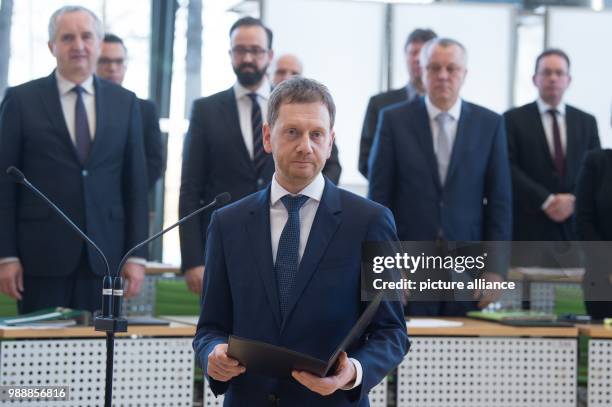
<point x="377" y="396"/>
<point x="485" y="372"/>
<point x="542" y="295"/>
<point x="148" y="372"/>
<point x="600" y="373"/>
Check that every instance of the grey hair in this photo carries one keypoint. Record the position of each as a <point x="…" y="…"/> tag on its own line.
<point x="300" y="90"/>
<point x="442" y="42"/>
<point x="73" y="9"/>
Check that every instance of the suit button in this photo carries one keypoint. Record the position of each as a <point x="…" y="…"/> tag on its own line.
<point x="272" y="398"/>
<point x="84" y="173"/>
<point x="260" y="182"/>
<point x="441" y="204"/>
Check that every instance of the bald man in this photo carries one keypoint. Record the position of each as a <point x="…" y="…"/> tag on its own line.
<point x="286" y="66"/>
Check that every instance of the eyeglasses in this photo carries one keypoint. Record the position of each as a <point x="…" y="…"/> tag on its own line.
<point x="111" y="61"/>
<point x="452" y="70"/>
<point x="241" y="52"/>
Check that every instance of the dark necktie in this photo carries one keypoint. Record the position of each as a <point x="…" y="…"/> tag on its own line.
<point x="287" y="255"/>
<point x="558" y="153"/>
<point x="259" y="155"/>
<point x="81" y="126"/>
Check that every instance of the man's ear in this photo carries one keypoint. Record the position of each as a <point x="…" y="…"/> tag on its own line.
<point x="332" y="136"/>
<point x="50" y="45"/>
<point x="267" y="145"/>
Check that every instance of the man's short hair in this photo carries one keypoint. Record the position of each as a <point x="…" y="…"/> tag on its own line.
<point x="114" y="39"/>
<point x="420" y="35"/>
<point x="73" y="9"/>
<point x="252" y="22"/>
<point x="442" y="42"/>
<point x="300" y="90"/>
<point x="552" y="51"/>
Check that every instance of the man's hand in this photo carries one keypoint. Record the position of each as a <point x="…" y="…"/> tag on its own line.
<point x="194" y="277"/>
<point x="134" y="275"/>
<point x="345" y="374"/>
<point x="561" y="207"/>
<point x="486" y="297"/>
<point x="11" y="279"/>
<point x="220" y="366"/>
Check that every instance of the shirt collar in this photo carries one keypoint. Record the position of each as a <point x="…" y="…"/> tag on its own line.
<point x="544" y="107"/>
<point x="65" y="86"/>
<point x="263" y="91"/>
<point x="433" y="111"/>
<point x="314" y="190"/>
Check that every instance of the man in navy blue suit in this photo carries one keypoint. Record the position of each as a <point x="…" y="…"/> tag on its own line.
<point x="79" y="140"/>
<point x="441" y="165"/>
<point x="223" y="149"/>
<point x="283" y="267"/>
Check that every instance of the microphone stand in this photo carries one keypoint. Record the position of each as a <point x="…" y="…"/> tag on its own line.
<point x="110" y="321"/>
<point x="115" y="323"/>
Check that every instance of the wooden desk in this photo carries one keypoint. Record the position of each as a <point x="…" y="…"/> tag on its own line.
<point x="483" y="364"/>
<point x="600" y="364"/>
<point x="153" y="365"/>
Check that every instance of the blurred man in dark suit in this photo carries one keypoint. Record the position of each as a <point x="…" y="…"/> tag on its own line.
<point x="412" y="90"/>
<point x="223" y="149"/>
<point x="79" y="140"/>
<point x="441" y="165"/>
<point x="112" y="66"/>
<point x="548" y="141"/>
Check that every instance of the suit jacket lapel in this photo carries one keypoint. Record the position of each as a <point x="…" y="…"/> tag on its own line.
<point x="258" y="229"/>
<point x="425" y="137"/>
<point x="539" y="140"/>
<point x="101" y="102"/>
<point x="232" y="125"/>
<point x="325" y="224"/>
<point x="571" y="149"/>
<point x="51" y="100"/>
<point x="460" y="145"/>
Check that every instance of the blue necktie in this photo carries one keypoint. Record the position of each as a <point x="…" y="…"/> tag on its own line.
<point x="81" y="126"/>
<point x="259" y="155"/>
<point x="287" y="255"/>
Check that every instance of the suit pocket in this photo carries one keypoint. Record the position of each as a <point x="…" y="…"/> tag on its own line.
<point x="116" y="213"/>
<point x="34" y="213"/>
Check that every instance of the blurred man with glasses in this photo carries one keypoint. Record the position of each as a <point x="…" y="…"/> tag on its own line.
<point x="112" y="66"/>
<point x="223" y="148"/>
<point x="441" y="165"/>
<point x="548" y="141"/>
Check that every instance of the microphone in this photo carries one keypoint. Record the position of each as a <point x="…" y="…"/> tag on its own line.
<point x="220" y="200"/>
<point x="21" y="179"/>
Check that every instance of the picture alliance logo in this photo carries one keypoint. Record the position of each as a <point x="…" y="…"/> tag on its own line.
<point x="412" y="264"/>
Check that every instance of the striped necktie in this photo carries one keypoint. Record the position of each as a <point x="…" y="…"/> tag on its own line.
<point x="81" y="126"/>
<point x="259" y="155"/>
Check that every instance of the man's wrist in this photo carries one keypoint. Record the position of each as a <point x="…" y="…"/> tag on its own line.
<point x="6" y="260"/>
<point x="358" y="375"/>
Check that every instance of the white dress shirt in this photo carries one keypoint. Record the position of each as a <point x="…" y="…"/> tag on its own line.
<point x="454" y="113"/>
<point x="279" y="217"/>
<point x="68" y="100"/>
<point x="243" y="101"/>
<point x="547" y="123"/>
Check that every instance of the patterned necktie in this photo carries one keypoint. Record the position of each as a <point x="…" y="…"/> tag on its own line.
<point x="81" y="126"/>
<point x="287" y="255"/>
<point x="445" y="148"/>
<point x="259" y="155"/>
<point x="558" y="153"/>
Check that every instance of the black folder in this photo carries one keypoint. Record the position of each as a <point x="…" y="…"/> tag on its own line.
<point x="275" y="361"/>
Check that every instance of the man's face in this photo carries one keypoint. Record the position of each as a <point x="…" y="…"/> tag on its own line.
<point x="300" y="141"/>
<point x="111" y="65"/>
<point x="412" y="53"/>
<point x="76" y="45"/>
<point x="250" y="54"/>
<point x="444" y="75"/>
<point x="552" y="78"/>
<point x="286" y="67"/>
